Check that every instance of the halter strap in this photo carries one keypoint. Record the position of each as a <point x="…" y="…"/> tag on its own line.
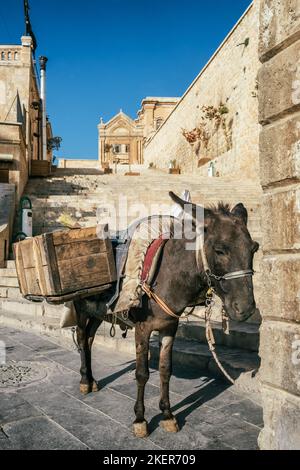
<point x="200" y="252"/>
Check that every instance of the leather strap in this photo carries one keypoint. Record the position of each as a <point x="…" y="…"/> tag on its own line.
<point x="147" y="289"/>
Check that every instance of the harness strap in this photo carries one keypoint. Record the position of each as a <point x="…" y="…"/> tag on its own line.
<point x="237" y="274"/>
<point x="148" y="291"/>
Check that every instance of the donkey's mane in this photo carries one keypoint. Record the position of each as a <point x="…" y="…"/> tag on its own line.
<point x="221" y="208"/>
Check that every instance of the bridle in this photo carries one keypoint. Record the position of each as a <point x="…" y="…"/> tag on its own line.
<point x="200" y="252"/>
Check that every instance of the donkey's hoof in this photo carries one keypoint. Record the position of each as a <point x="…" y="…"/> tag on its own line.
<point x="170" y="425"/>
<point x="95" y="387"/>
<point x="140" y="430"/>
<point x="85" y="389"/>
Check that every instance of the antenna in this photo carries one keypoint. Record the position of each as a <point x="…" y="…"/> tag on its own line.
<point x="28" y="27"/>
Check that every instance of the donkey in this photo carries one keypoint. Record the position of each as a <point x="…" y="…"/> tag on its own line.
<point x="180" y="281"/>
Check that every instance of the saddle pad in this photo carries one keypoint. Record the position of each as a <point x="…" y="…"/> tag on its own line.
<point x="149" y="234"/>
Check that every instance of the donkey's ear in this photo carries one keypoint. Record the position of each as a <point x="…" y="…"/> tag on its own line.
<point x="241" y="212"/>
<point x="177" y="200"/>
<point x="195" y="210"/>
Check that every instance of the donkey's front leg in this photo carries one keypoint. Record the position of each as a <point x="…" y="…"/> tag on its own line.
<point x="142" y="336"/>
<point x="166" y="339"/>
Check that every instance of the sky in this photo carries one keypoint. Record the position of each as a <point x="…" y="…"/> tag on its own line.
<point x="107" y="55"/>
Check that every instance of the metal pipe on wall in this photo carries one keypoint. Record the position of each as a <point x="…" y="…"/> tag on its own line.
<point x="43" y="63"/>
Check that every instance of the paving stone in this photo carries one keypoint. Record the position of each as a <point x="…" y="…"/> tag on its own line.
<point x="245" y="410"/>
<point x="39" y="433"/>
<point x="129" y="390"/>
<point x="95" y="429"/>
<point x="241" y="436"/>
<point x="14" y="408"/>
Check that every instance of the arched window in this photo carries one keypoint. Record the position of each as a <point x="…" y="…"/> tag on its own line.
<point x="117" y="148"/>
<point x="2" y="55"/>
<point x="159" y="123"/>
<point x="9" y="56"/>
<point x="16" y="56"/>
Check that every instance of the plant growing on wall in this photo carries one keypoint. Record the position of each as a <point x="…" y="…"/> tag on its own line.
<point x="218" y="117"/>
<point x="200" y="136"/>
<point x="54" y="143"/>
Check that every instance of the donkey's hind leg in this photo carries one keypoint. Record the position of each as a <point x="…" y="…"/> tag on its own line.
<point x="91" y="331"/>
<point x="86" y="331"/>
<point x="166" y="339"/>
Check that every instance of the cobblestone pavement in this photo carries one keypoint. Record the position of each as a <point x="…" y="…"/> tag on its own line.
<point x="46" y="410"/>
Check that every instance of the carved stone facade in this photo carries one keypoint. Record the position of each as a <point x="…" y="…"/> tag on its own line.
<point x="20" y="115"/>
<point x="279" y="114"/>
<point x="122" y="139"/>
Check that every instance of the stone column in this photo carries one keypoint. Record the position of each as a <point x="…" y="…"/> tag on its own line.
<point x="279" y="110"/>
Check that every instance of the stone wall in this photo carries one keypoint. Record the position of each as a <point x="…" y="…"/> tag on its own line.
<point x="7" y="205"/>
<point x="229" y="79"/>
<point x="279" y="114"/>
<point x="77" y="164"/>
<point x="19" y="125"/>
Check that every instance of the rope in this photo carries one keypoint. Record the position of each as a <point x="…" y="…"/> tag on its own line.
<point x="74" y="331"/>
<point x="209" y="332"/>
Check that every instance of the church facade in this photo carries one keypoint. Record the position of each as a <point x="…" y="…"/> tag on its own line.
<point x="122" y="139"/>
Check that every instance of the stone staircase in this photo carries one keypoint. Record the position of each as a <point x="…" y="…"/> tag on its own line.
<point x="80" y="195"/>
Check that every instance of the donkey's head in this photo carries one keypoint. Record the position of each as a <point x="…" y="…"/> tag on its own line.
<point x="229" y="248"/>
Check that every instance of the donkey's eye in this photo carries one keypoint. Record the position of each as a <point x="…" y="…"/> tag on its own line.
<point x="220" y="252"/>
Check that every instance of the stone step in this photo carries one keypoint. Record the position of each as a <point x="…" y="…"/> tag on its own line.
<point x="244" y="336"/>
<point x="10" y="264"/>
<point x="8" y="281"/>
<point x="8" y="272"/>
<point x="22" y="307"/>
<point x="12" y="293"/>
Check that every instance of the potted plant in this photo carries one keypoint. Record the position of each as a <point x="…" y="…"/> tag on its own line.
<point x="174" y="168"/>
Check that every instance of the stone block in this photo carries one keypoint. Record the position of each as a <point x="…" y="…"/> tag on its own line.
<point x="280" y="353"/>
<point x="281" y="419"/>
<point x="9" y="281"/>
<point x="279" y="85"/>
<point x="281" y="220"/>
<point x="283" y="299"/>
<point x="14" y="293"/>
<point x="3" y="292"/>
<point x="280" y="151"/>
<point x="279" y="26"/>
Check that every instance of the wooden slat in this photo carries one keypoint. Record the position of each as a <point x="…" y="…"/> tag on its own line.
<point x="111" y="260"/>
<point x="72" y="236"/>
<point x="78" y="249"/>
<point x="53" y="276"/>
<point x="86" y="271"/>
<point x="20" y="269"/>
<point x="61" y="299"/>
<point x="27" y="254"/>
<point x="33" y="281"/>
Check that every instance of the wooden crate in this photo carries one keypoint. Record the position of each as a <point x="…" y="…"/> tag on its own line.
<point x="64" y="265"/>
<point x="41" y="168"/>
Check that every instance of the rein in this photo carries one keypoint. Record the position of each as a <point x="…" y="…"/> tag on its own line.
<point x="209" y="303"/>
